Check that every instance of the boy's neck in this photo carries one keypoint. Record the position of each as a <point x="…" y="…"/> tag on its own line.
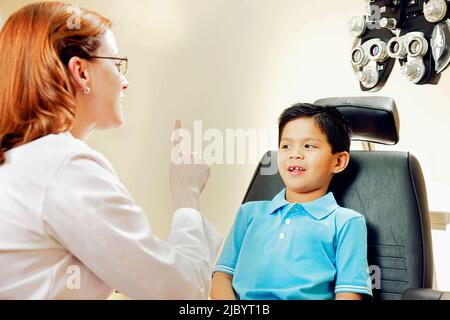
<point x="295" y="197"/>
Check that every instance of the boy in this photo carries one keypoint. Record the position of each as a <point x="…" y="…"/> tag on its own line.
<point x="300" y="245"/>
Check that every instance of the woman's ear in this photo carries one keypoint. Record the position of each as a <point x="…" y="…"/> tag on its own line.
<point x="79" y="73"/>
<point x="342" y="159"/>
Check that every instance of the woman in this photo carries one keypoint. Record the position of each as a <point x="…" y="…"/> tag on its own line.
<point x="68" y="227"/>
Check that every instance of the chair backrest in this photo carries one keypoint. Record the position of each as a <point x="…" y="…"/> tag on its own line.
<point x="388" y="188"/>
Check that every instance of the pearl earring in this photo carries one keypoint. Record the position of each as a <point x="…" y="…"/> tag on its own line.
<point x="87" y="90"/>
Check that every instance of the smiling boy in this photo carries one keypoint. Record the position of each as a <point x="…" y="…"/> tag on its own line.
<point x="302" y="244"/>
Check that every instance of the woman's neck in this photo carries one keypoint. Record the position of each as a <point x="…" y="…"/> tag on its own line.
<point x="81" y="132"/>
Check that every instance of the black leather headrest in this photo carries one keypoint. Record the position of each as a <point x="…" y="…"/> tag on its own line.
<point x="372" y="119"/>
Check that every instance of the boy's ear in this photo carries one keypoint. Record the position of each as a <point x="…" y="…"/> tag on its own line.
<point x="341" y="162"/>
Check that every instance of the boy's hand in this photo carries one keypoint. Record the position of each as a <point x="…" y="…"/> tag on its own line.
<point x="188" y="177"/>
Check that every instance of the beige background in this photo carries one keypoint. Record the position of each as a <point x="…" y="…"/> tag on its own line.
<point x="237" y="64"/>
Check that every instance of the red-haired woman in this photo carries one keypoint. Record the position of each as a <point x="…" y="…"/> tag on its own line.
<point x="68" y="227"/>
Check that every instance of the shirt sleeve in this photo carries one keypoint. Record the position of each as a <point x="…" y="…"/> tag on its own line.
<point x="232" y="247"/>
<point x="92" y="215"/>
<point x="351" y="259"/>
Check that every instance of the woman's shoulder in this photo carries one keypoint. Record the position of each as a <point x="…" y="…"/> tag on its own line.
<point x="53" y="152"/>
<point x="62" y="146"/>
<point x="70" y="149"/>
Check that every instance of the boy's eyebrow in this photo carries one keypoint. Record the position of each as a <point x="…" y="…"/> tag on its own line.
<point x="306" y="139"/>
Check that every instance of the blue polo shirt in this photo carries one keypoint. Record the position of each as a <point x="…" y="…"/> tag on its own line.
<point x="306" y="251"/>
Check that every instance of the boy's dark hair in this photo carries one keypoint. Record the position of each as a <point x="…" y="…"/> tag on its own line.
<point x="329" y="119"/>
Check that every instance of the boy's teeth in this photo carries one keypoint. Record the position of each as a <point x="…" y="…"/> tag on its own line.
<point x="296" y="168"/>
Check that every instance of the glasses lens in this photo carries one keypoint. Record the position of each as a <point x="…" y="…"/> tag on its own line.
<point x="123" y="66"/>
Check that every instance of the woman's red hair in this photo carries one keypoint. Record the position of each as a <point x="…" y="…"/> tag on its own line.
<point x="37" y="94"/>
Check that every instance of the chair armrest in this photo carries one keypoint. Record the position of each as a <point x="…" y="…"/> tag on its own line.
<point x="425" y="294"/>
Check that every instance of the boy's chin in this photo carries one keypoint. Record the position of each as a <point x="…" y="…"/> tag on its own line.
<point x="297" y="189"/>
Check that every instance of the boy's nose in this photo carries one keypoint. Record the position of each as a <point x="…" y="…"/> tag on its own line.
<point x="297" y="155"/>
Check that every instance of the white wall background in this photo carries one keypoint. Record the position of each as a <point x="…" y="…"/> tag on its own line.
<point x="238" y="64"/>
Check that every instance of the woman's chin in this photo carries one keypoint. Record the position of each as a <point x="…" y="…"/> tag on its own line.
<point x="120" y="122"/>
<point x="116" y="123"/>
<point x="119" y="117"/>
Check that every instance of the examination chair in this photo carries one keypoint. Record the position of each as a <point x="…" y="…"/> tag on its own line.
<point x="388" y="188"/>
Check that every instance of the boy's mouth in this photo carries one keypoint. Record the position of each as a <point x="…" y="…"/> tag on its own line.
<point x="296" y="170"/>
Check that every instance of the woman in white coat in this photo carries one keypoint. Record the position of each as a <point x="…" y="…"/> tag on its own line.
<point x="68" y="228"/>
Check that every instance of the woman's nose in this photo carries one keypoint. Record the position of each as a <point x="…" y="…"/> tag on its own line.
<point x="125" y="83"/>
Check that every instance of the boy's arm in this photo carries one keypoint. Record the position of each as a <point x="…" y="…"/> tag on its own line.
<point x="222" y="288"/>
<point x="348" y="296"/>
<point x="352" y="271"/>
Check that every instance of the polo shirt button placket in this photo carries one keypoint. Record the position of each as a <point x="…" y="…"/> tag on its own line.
<point x="287" y="222"/>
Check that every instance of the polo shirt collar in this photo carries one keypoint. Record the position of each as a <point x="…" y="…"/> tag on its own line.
<point x="322" y="207"/>
<point x="278" y="202"/>
<point x="318" y="209"/>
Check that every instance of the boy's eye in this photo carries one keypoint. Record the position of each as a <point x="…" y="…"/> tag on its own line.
<point x="309" y="146"/>
<point x="285" y="146"/>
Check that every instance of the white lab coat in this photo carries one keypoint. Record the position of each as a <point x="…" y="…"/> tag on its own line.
<point x="70" y="230"/>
